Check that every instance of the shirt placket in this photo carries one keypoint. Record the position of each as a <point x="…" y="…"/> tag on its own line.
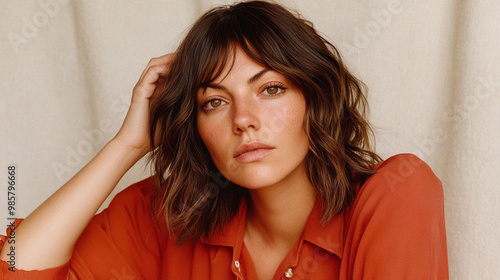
<point x="291" y="266"/>
<point x="236" y="262"/>
<point x="236" y="268"/>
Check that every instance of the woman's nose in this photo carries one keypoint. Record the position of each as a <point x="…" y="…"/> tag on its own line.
<point x="245" y="116"/>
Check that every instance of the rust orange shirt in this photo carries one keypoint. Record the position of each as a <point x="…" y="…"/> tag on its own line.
<point x="394" y="230"/>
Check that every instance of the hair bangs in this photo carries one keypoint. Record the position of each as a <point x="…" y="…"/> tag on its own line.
<point x="231" y="29"/>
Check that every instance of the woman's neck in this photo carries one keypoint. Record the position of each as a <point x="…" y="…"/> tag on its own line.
<point x="279" y="213"/>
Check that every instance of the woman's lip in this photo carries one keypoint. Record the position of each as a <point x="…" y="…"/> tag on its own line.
<point x="250" y="146"/>
<point x="253" y="155"/>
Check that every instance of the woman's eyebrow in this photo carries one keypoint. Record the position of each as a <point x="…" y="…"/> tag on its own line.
<point x="250" y="81"/>
<point x="257" y="76"/>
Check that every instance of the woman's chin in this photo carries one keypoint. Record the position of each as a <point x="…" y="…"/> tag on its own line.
<point x="255" y="181"/>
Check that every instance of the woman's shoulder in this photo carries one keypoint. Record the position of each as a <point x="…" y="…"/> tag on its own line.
<point x="395" y="227"/>
<point x="132" y="205"/>
<point x="401" y="183"/>
<point x="140" y="191"/>
<point x="400" y="173"/>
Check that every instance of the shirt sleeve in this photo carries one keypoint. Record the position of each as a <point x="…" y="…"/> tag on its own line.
<point x="398" y="229"/>
<point x="122" y="242"/>
<point x="8" y="270"/>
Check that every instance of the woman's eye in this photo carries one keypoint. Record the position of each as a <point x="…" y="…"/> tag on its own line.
<point x="274" y="90"/>
<point x="212" y="104"/>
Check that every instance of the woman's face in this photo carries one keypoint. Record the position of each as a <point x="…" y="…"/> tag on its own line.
<point x="251" y="120"/>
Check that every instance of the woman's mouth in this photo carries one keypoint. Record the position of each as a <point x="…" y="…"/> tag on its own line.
<point x="253" y="151"/>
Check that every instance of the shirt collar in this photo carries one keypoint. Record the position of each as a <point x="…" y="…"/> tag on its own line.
<point x="329" y="237"/>
<point x="232" y="233"/>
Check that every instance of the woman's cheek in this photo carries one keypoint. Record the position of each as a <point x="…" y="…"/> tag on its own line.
<point x="287" y="117"/>
<point x="213" y="136"/>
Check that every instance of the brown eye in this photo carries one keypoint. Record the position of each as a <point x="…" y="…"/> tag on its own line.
<point x="272" y="90"/>
<point x="212" y="104"/>
<point x="215" y="103"/>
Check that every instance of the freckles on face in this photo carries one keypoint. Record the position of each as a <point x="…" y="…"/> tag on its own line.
<point x="252" y="122"/>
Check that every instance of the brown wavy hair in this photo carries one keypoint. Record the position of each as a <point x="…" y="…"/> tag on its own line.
<point x="192" y="194"/>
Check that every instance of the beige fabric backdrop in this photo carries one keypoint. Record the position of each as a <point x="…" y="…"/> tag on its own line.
<point x="67" y="69"/>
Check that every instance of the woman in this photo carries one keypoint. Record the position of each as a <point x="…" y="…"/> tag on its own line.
<point x="262" y="170"/>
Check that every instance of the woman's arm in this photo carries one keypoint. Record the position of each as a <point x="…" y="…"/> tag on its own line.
<point x="46" y="238"/>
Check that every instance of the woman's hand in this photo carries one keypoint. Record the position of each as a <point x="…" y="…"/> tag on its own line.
<point x="134" y="133"/>
<point x="55" y="226"/>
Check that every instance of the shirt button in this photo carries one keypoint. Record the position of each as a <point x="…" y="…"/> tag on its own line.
<point x="237" y="264"/>
<point x="289" y="273"/>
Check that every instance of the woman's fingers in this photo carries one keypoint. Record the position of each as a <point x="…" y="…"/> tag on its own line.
<point x="162" y="60"/>
<point x="152" y="75"/>
<point x="134" y="132"/>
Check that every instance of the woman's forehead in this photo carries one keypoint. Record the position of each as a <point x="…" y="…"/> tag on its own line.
<point x="221" y="63"/>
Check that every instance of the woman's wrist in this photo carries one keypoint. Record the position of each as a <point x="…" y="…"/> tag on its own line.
<point x="127" y="154"/>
